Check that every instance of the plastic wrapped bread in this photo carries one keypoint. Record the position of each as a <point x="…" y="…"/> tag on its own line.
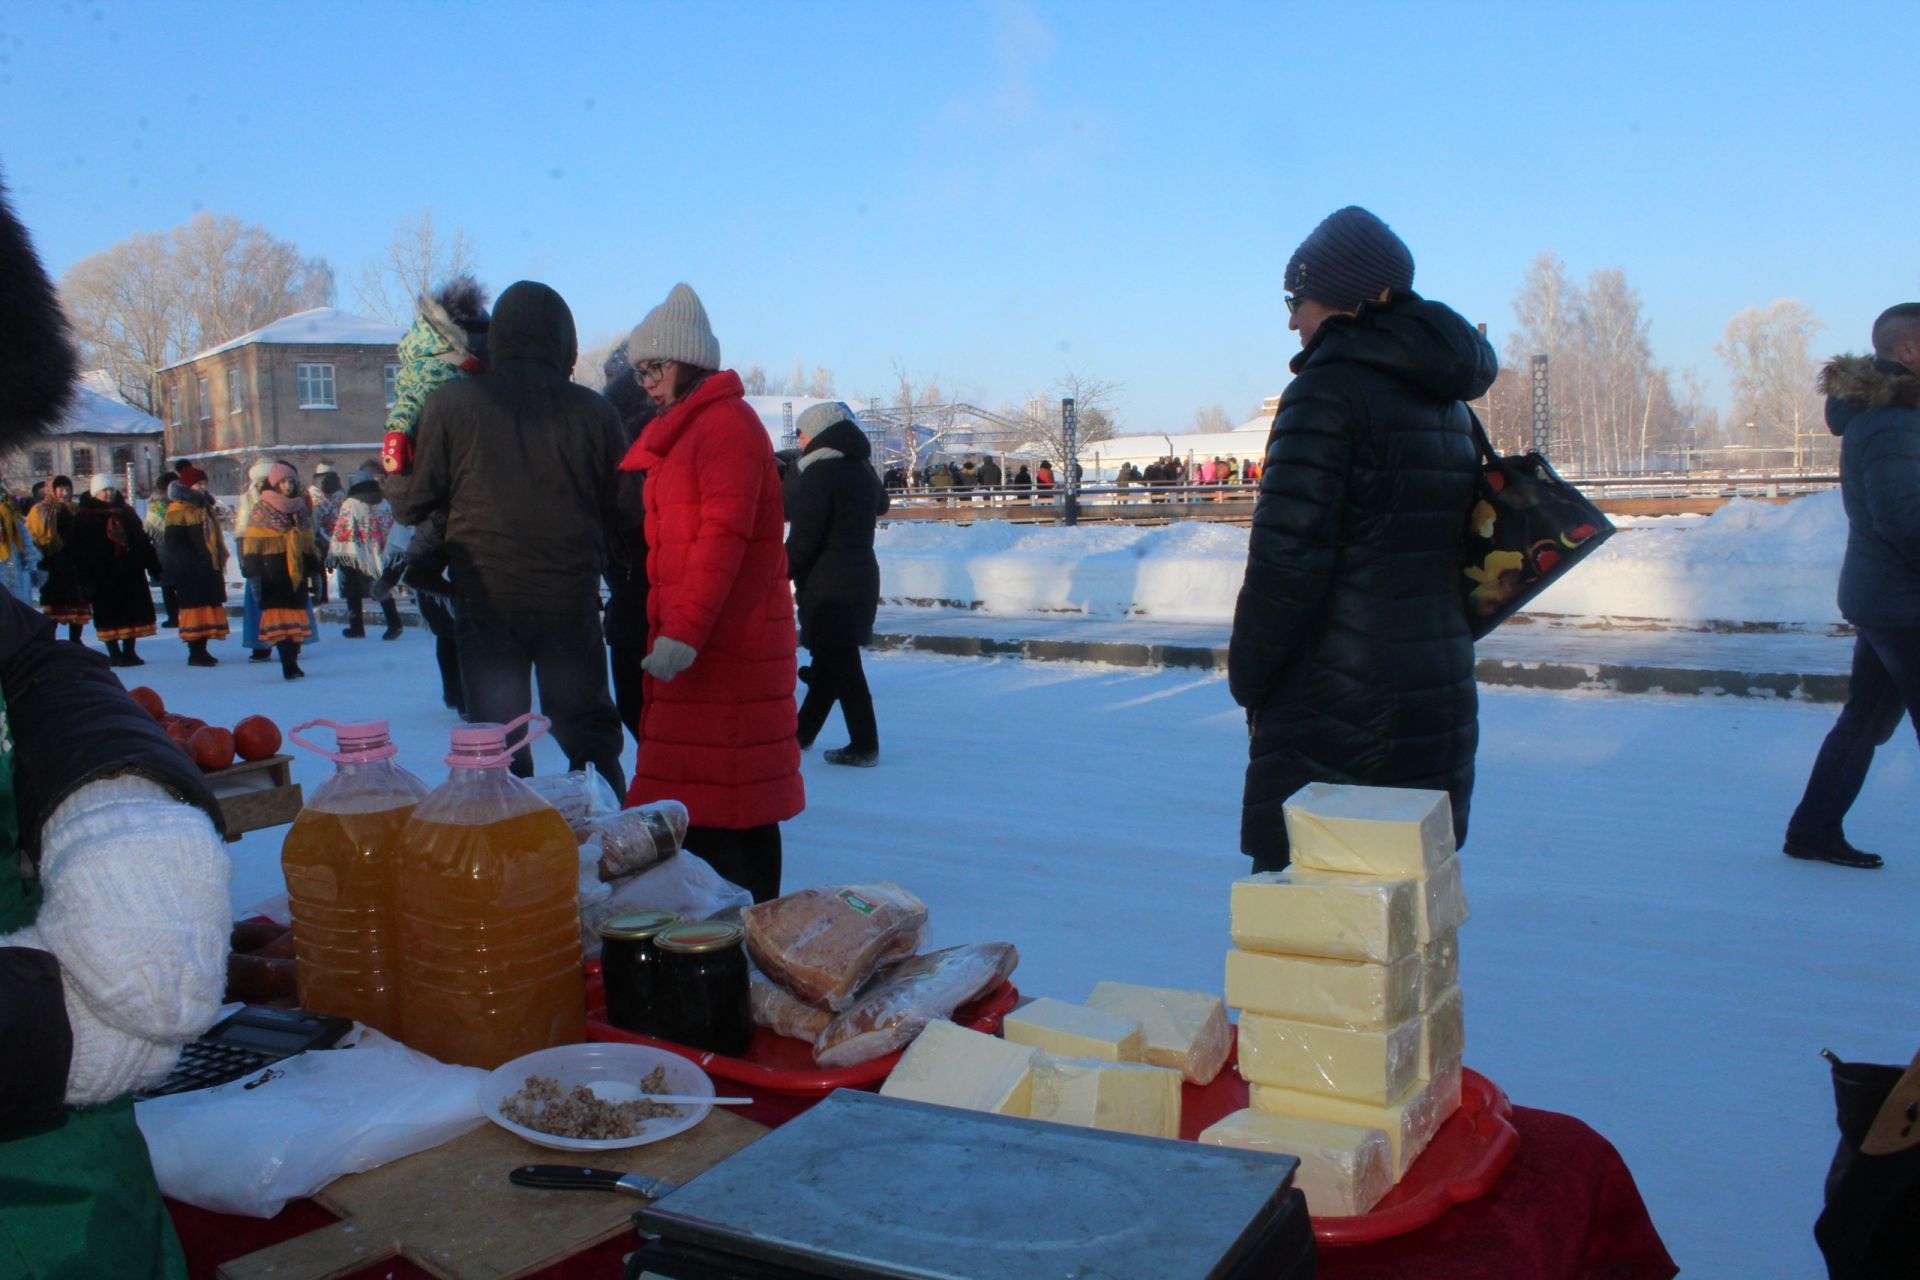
<point x="1185" y="1030"/>
<point x="1369" y="831"/>
<point x="891" y="1011"/>
<point x="1120" y="1097"/>
<point x="635" y="839"/>
<point x="782" y="1012"/>
<point x="823" y="944"/>
<point x="580" y="797"/>
<point x="1344" y="1168"/>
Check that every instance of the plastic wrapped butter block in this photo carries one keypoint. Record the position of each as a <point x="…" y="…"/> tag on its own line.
<point x="1075" y="1031"/>
<point x="1185" y="1030"/>
<point x="1439" y="968"/>
<point x="1443" y="1036"/>
<point x="1439" y="901"/>
<point x="1336" y="917"/>
<point x="1368" y="1066"/>
<point x="1339" y="993"/>
<point x="1123" y="1097"/>
<point x="957" y="1067"/>
<point x="1369" y="831"/>
<point x="1344" y="1168"/>
<point x="1409" y="1121"/>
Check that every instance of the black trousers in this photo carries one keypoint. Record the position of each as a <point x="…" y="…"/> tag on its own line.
<point x="837" y="676"/>
<point x="748" y="856"/>
<point x="1884" y="687"/>
<point x="502" y="654"/>
<point x="629" y="691"/>
<point x="438" y="615"/>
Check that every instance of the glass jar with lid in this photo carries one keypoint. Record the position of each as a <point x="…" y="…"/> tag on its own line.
<point x="630" y="969"/>
<point x="703" y="986"/>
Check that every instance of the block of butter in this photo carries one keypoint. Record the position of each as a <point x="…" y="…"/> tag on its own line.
<point x="1439" y="901"/>
<point x="1344" y="1168"/>
<point x="1369" y="1066"/>
<point x="1443" y="1036"/>
<point x="1123" y="1097"/>
<point x="1075" y="1031"/>
<point x="1439" y="968"/>
<point x="1185" y="1030"/>
<point x="1342" y="918"/>
<point x="1409" y="1121"/>
<point x="1340" y="993"/>
<point x="959" y="1067"/>
<point x="1369" y="831"/>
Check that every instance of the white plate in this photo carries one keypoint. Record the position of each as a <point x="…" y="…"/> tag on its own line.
<point x="614" y="1072"/>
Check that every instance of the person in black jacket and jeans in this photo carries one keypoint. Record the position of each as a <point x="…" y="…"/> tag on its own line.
<point x="626" y="573"/>
<point x="524" y="462"/>
<point x="1350" y="647"/>
<point x="837" y="500"/>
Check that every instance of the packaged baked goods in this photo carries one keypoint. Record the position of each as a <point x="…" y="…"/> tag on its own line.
<point x="634" y="839"/>
<point x="891" y="1012"/>
<point x="823" y="943"/>
<point x="782" y="1012"/>
<point x="580" y="797"/>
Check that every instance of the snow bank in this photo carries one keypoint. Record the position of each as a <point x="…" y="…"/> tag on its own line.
<point x="1750" y="562"/>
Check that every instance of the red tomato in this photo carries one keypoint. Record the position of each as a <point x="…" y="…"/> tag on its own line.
<point x="150" y="700"/>
<point x="212" y="748"/>
<point x="256" y="738"/>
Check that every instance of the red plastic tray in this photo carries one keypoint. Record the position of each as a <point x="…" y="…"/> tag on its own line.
<point x="781" y="1064"/>
<point x="1462" y="1163"/>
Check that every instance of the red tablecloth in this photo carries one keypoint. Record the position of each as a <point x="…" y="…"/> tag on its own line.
<point x="1566" y="1209"/>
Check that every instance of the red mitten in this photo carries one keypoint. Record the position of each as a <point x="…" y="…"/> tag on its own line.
<point x="397" y="455"/>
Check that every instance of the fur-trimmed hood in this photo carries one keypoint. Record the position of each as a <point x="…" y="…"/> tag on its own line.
<point x="1855" y="384"/>
<point x="457" y="311"/>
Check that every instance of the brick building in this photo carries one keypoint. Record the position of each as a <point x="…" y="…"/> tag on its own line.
<point x="99" y="432"/>
<point x="313" y="387"/>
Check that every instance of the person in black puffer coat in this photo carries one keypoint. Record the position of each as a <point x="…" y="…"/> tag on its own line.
<point x="626" y="571"/>
<point x="836" y="503"/>
<point x="1873" y="405"/>
<point x="1350" y="646"/>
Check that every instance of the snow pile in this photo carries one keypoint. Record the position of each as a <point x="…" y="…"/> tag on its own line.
<point x="1750" y="562"/>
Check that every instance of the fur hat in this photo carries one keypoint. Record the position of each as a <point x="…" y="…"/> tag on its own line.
<point x="259" y="471"/>
<point x="1350" y="258"/>
<point x="191" y="475"/>
<point x="457" y="310"/>
<point x="100" y="483"/>
<point x="816" y="418"/>
<point x="37" y="363"/>
<point x="61" y="482"/>
<point x="677" y="329"/>
<point x="324" y="469"/>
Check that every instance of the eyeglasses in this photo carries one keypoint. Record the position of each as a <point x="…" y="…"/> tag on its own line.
<point x="651" y="371"/>
<point x="1293" y="303"/>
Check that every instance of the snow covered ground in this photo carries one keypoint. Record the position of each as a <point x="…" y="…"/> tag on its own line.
<point x="1640" y="953"/>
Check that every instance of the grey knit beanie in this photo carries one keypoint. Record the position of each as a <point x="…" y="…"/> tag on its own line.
<point x="816" y="418"/>
<point x="677" y="329"/>
<point x="1350" y="258"/>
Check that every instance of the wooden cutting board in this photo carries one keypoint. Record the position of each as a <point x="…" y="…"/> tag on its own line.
<point x="452" y="1212"/>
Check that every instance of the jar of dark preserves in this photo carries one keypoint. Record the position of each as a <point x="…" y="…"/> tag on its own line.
<point x="703" y="986"/>
<point x="630" y="969"/>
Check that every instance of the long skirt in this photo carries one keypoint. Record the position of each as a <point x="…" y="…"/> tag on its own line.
<point x="251" y="632"/>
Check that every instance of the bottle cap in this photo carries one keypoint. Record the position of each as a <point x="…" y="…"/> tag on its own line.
<point x="357" y="742"/>
<point x="484" y="745"/>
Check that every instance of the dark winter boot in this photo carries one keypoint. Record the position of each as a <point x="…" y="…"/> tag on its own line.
<point x="197" y="655"/>
<point x="392" y="613"/>
<point x="128" y="658"/>
<point x="356" y="620"/>
<point x="260" y="655"/>
<point x="73" y="632"/>
<point x="1837" y="850"/>
<point x="290" y="660"/>
<point x="113" y="654"/>
<point x="851" y="756"/>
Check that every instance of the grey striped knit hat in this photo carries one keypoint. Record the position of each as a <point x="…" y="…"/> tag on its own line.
<point x="816" y="418"/>
<point x="1350" y="258"/>
<point x="677" y="329"/>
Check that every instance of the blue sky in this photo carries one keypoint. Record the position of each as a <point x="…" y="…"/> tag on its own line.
<point x="997" y="192"/>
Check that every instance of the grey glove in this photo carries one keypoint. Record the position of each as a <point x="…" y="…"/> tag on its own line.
<point x="668" y="659"/>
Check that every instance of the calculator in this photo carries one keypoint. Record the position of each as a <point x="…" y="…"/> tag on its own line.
<point x="245" y="1041"/>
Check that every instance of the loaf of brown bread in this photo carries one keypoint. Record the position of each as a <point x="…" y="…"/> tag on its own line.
<point x="823" y="943"/>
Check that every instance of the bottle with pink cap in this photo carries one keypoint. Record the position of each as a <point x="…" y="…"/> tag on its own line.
<point x="489" y="906"/>
<point x="339" y="862"/>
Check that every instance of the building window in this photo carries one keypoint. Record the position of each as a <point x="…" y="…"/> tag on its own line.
<point x="206" y="402"/>
<point x="82" y="463"/>
<point x="236" y="398"/>
<point x="122" y="459"/>
<point x="316" y="386"/>
<point x="174" y="396"/>
<point x="42" y="463"/>
<point x="392" y="376"/>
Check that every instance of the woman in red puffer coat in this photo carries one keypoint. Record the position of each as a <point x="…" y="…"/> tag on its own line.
<point x="718" y="729"/>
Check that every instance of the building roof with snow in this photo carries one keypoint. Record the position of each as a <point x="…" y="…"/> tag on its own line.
<point x="320" y="327"/>
<point x="94" y="414"/>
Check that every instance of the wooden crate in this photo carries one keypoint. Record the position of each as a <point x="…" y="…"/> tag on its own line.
<point x="256" y="794"/>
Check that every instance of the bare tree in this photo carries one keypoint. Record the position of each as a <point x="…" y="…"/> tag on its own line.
<point x="590" y="369"/>
<point x="1771" y="366"/>
<point x="927" y="418"/>
<point x="153" y="300"/>
<point x="1213" y="418"/>
<point x="1093" y="413"/>
<point x="754" y="379"/>
<point x="417" y="259"/>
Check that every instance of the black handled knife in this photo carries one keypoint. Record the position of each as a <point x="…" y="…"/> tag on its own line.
<point x="568" y="1177"/>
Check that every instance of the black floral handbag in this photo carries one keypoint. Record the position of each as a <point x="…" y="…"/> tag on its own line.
<point x="1526" y="527"/>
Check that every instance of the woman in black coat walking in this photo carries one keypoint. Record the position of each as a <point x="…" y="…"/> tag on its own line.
<point x="117" y="558"/>
<point x="836" y="503"/>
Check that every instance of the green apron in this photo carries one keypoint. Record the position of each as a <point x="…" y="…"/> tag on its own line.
<point x="78" y="1200"/>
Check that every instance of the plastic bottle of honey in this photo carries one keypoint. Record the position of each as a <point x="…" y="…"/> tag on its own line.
<point x="339" y="864"/>
<point x="489" y="912"/>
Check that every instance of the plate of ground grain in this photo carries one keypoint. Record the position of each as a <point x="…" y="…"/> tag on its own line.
<point x="593" y="1097"/>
